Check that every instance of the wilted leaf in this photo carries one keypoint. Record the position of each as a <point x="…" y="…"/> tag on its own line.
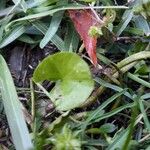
<point x="73" y="79"/>
<point x="105" y="128"/>
<point x="83" y="20"/>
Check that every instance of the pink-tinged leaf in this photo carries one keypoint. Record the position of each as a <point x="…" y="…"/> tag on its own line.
<point x="83" y="20"/>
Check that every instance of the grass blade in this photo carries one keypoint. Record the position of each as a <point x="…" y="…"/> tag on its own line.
<point x="139" y="80"/>
<point x="13" y="110"/>
<point x="54" y="25"/>
<point x="122" y="136"/>
<point x="112" y="86"/>
<point x="103" y="105"/>
<point x="145" y="117"/>
<point x="125" y="21"/>
<point x="95" y="113"/>
<point x="51" y="12"/>
<point x="56" y="40"/>
<point x="113" y="112"/>
<point x="71" y="39"/>
<point x="13" y="35"/>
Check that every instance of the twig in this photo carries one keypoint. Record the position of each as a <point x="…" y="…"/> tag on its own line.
<point x="96" y="15"/>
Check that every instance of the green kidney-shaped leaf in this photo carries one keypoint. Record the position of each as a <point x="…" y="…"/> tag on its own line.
<point x="73" y="79"/>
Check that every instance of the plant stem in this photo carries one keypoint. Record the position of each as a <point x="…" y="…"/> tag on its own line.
<point x="32" y="100"/>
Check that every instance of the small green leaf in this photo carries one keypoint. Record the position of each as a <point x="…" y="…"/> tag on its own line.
<point x="107" y="128"/>
<point x="73" y="79"/>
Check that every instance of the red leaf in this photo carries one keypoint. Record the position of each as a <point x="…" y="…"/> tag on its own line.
<point x="83" y="20"/>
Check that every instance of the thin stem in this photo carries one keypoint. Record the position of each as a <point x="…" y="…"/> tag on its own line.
<point x="32" y="100"/>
